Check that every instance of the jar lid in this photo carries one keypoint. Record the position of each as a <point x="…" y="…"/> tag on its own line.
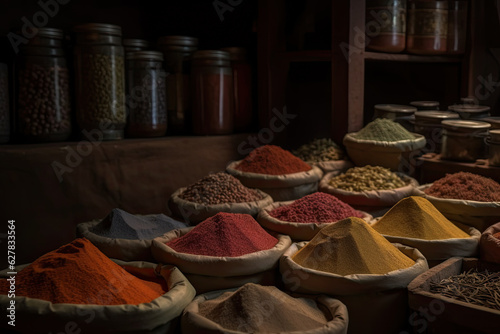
<point x="145" y="55"/>
<point x="494" y="121"/>
<point x="467" y="108"/>
<point x="135" y="42"/>
<point x="104" y="28"/>
<point x="425" y="104"/>
<point x="236" y="53"/>
<point x="465" y="125"/>
<point x="399" y="108"/>
<point x="50" y="33"/>
<point x="211" y="54"/>
<point x="436" y="115"/>
<point x="178" y="40"/>
<point x="468" y="100"/>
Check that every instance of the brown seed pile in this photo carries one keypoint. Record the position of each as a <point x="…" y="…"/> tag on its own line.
<point x="367" y="178"/>
<point x="219" y="188"/>
<point x="44" y="102"/>
<point x="466" y="186"/>
<point x="318" y="150"/>
<point x="102" y="90"/>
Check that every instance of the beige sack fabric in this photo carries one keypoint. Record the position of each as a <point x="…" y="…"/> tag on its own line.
<point x="194" y="213"/>
<point x="376" y="303"/>
<point x="296" y="231"/>
<point x="285" y="187"/>
<point x="333" y="165"/>
<point x="40" y="316"/>
<point x="372" y="198"/>
<point x="489" y="246"/>
<point x="194" y="323"/>
<point x="479" y="215"/>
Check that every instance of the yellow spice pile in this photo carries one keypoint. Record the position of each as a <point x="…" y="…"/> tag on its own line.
<point x="416" y="217"/>
<point x="351" y="246"/>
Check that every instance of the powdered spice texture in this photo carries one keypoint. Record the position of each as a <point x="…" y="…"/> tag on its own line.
<point x="79" y="273"/>
<point x="315" y="208"/>
<point x="263" y="309"/>
<point x="383" y="129"/>
<point x="272" y="160"/>
<point x="225" y="234"/>
<point x="466" y="186"/>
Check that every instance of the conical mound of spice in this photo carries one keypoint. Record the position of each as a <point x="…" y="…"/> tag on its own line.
<point x="383" y="129"/>
<point x="466" y="186"/>
<point x="225" y="234"/>
<point x="416" y="217"/>
<point x="79" y="273"/>
<point x="272" y="160"/>
<point x="315" y="208"/>
<point x="350" y="247"/>
<point x="219" y="188"/>
<point x="263" y="309"/>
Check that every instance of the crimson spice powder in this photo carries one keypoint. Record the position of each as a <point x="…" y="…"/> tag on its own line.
<point x="272" y="160"/>
<point x="315" y="208"/>
<point x="225" y="234"/>
<point x="466" y="186"/>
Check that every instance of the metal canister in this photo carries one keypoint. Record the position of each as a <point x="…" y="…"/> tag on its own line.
<point x="494" y="147"/>
<point x="135" y="44"/>
<point x="425" y="105"/>
<point x="470" y="111"/>
<point x="428" y="124"/>
<point x="401" y="114"/>
<point x="464" y="140"/>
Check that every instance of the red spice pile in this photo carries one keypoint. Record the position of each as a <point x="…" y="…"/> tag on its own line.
<point x="272" y="160"/>
<point x="466" y="186"/>
<point x="497" y="235"/>
<point x="315" y="208"/>
<point x="225" y="234"/>
<point x="79" y="273"/>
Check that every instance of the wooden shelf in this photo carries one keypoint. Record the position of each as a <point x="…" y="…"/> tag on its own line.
<point x="380" y="56"/>
<point x="307" y="56"/>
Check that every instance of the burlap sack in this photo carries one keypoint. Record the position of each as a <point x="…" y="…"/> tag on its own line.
<point x="121" y="249"/>
<point x="333" y="165"/>
<point x="479" y="215"/>
<point x="489" y="246"/>
<point x="376" y="303"/>
<point x="372" y="198"/>
<point x="193" y="322"/>
<point x="209" y="272"/>
<point x="296" y="231"/>
<point x="285" y="187"/>
<point x="158" y="316"/>
<point x="193" y="213"/>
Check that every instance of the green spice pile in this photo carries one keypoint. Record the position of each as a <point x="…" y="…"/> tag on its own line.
<point x="319" y="150"/>
<point x="383" y="129"/>
<point x="263" y="309"/>
<point x="466" y="186"/>
<point x="416" y="217"/>
<point x="367" y="178"/>
<point x="219" y="188"/>
<point x="350" y="247"/>
<point x="478" y="288"/>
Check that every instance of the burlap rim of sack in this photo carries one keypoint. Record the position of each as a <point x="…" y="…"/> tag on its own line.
<point x="263" y="181"/>
<point x="332" y="165"/>
<point x="372" y="197"/>
<point x="47" y="317"/>
<point x="387" y="146"/>
<point x="197" y="212"/>
<point x="297" y="231"/>
<point x="192" y="320"/>
<point x="489" y="246"/>
<point x="247" y="264"/>
<point x="306" y="280"/>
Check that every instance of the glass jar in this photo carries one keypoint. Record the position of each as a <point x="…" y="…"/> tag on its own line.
<point x="42" y="86"/>
<point x="177" y="51"/>
<point x="213" y="105"/>
<point x="4" y="104"/>
<point x="427" y="27"/>
<point x="464" y="140"/>
<point x="100" y="80"/>
<point x="398" y="113"/>
<point x="146" y="94"/>
<point x="425" y="105"/>
<point x="428" y="124"/>
<point x="471" y="111"/>
<point x="385" y="25"/>
<point x="457" y="27"/>
<point x="242" y="83"/>
<point x="134" y="44"/>
<point x="494" y="147"/>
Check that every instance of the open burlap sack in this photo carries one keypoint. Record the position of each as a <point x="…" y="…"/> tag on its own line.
<point x="193" y="322"/>
<point x="284" y="187"/>
<point x="209" y="272"/>
<point x="332" y="165"/>
<point x="372" y="198"/>
<point x="158" y="316"/>
<point x="489" y="246"/>
<point x="193" y="213"/>
<point x="376" y="303"/>
<point x="479" y="215"/>
<point x="296" y="231"/>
